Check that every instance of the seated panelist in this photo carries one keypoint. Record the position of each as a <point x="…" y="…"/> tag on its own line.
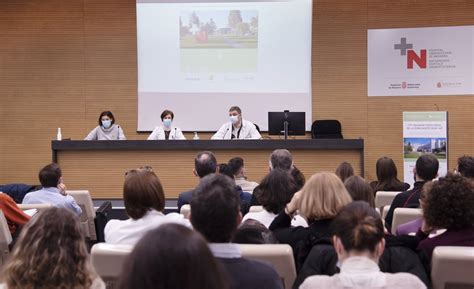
<point x="167" y="131"/>
<point x="107" y="129"/>
<point x="237" y="128"/>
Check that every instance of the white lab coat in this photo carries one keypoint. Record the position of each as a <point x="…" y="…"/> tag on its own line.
<point x="159" y="133"/>
<point x="248" y="131"/>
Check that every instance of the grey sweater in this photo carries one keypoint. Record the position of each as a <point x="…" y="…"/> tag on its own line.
<point x="114" y="132"/>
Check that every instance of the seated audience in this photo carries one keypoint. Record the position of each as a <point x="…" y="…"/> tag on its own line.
<point x="298" y="177"/>
<point x="360" y="190"/>
<point x="17" y="191"/>
<point x="215" y="213"/>
<point x="172" y="256"/>
<point x="275" y="190"/>
<point x="466" y="166"/>
<point x="238" y="169"/>
<point x="344" y="171"/>
<point x="448" y="204"/>
<point x="107" y="129"/>
<point x="245" y="197"/>
<point x="359" y="242"/>
<point x="281" y="159"/>
<point x="14" y="215"/>
<point x="144" y="201"/>
<point x="321" y="198"/>
<point x="51" y="253"/>
<point x="53" y="192"/>
<point x="426" y="169"/>
<point x="253" y="232"/>
<point x="387" y="179"/>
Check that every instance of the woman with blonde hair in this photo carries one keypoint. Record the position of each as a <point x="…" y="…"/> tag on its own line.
<point x="51" y="253"/>
<point x="319" y="201"/>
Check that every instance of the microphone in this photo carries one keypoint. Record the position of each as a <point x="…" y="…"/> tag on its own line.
<point x="174" y="136"/>
<point x="118" y="132"/>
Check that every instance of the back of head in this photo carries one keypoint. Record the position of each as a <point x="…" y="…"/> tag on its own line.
<point x="253" y="232"/>
<point x="360" y="190"/>
<point x="386" y="169"/>
<point x="225" y="170"/>
<point x="171" y="256"/>
<point x="236" y="164"/>
<point x="142" y="192"/>
<point x="344" y="171"/>
<point x="427" y="167"/>
<point x="299" y="178"/>
<point x="449" y="203"/>
<point x="215" y="208"/>
<point x="50" y="248"/>
<point x="275" y="190"/>
<point x="205" y="163"/>
<point x="466" y="166"/>
<point x="359" y="227"/>
<point x="50" y="175"/>
<point x="323" y="196"/>
<point x="281" y="159"/>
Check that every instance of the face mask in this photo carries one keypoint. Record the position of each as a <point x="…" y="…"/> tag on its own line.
<point x="167" y="122"/>
<point x="234" y="118"/>
<point x="106" y="123"/>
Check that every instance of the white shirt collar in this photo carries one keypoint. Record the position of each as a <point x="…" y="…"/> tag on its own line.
<point x="361" y="271"/>
<point x="225" y="250"/>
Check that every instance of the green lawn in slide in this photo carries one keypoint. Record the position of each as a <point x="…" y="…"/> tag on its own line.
<point x="224" y="60"/>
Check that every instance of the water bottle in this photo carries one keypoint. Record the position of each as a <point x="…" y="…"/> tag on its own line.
<point x="59" y="135"/>
<point x="195" y="135"/>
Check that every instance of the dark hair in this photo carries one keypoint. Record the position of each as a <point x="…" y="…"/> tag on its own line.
<point x="205" y="163"/>
<point x="215" y="205"/>
<point x="449" y="203"/>
<point x="106" y="113"/>
<point x="49" y="176"/>
<point x="427" y="167"/>
<point x="358" y="226"/>
<point x="344" y="171"/>
<point x="386" y="171"/>
<point x="172" y="256"/>
<point x="360" y="190"/>
<point x="253" y="232"/>
<point x="236" y="164"/>
<point x="165" y="113"/>
<point x="225" y="170"/>
<point x="142" y="191"/>
<point x="466" y="166"/>
<point x="281" y="158"/>
<point x="299" y="178"/>
<point x="236" y="108"/>
<point x="275" y="190"/>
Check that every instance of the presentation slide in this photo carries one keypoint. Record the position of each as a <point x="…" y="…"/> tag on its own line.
<point x="199" y="58"/>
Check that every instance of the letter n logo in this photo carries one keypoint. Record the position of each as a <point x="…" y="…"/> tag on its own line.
<point x="413" y="57"/>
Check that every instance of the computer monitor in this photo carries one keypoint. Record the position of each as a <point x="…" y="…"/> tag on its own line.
<point x="296" y="122"/>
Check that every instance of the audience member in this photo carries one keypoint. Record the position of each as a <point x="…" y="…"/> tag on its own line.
<point x="321" y="198"/>
<point x="466" y="166"/>
<point x="205" y="163"/>
<point x="172" y="256"/>
<point x="344" y="171"/>
<point x="245" y="197"/>
<point x="448" y="204"/>
<point x="360" y="190"/>
<point x="17" y="191"/>
<point x="298" y="177"/>
<point x="51" y="253"/>
<point x="107" y="129"/>
<point x="240" y="175"/>
<point x="253" y="232"/>
<point x="387" y="180"/>
<point x="14" y="216"/>
<point x="144" y="201"/>
<point x="215" y="214"/>
<point x="53" y="192"/>
<point x="359" y="242"/>
<point x="426" y="169"/>
<point x="282" y="159"/>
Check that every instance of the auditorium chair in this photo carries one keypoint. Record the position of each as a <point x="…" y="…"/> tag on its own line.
<point x="385" y="210"/>
<point x="279" y="255"/>
<point x="39" y="207"/>
<point x="87" y="217"/>
<point x="404" y="215"/>
<point x="452" y="267"/>
<point x="108" y="260"/>
<point x="255" y="209"/>
<point x="5" y="239"/>
<point x="384" y="198"/>
<point x="185" y="210"/>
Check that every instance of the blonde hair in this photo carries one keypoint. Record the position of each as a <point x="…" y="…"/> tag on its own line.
<point x="323" y="196"/>
<point x="50" y="253"/>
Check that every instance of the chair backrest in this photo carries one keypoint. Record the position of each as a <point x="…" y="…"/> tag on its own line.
<point x="255" y="209"/>
<point x="279" y="255"/>
<point x="384" y="198"/>
<point x="452" y="267"/>
<point x="185" y="210"/>
<point x="39" y="207"/>
<point x="328" y="128"/>
<point x="108" y="260"/>
<point x="5" y="239"/>
<point x="84" y="200"/>
<point x="404" y="215"/>
<point x="384" y="211"/>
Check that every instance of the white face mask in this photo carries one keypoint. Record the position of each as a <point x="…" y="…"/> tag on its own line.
<point x="106" y="123"/>
<point x="167" y="122"/>
<point x="234" y="119"/>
